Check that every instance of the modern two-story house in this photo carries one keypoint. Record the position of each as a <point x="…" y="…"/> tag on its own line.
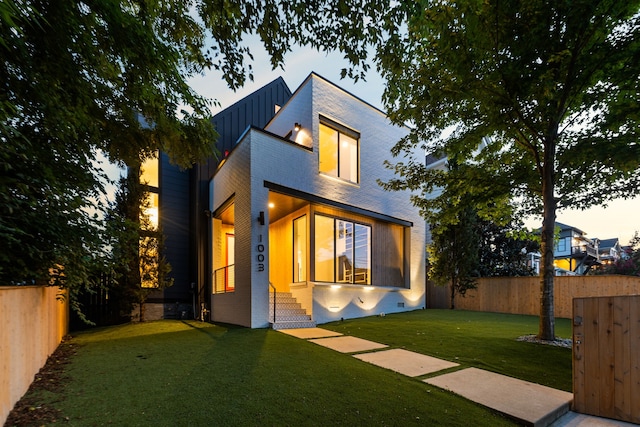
<point x="609" y="250"/>
<point x="574" y="252"/>
<point x="290" y="227"/>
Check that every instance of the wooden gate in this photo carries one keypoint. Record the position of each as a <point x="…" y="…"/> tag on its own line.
<point x="606" y="357"/>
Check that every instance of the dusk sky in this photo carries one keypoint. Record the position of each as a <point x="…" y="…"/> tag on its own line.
<point x="620" y="219"/>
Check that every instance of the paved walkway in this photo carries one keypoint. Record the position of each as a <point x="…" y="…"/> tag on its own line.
<point x="528" y="403"/>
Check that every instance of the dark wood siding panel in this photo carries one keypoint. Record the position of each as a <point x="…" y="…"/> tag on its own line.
<point x="388" y="254"/>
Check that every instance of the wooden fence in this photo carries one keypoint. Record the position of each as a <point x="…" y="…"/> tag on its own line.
<point x="33" y="322"/>
<point x="521" y="295"/>
<point x="606" y="357"/>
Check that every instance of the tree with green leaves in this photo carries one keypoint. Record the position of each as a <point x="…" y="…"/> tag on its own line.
<point x="550" y="90"/>
<point x="629" y="262"/>
<point x="504" y="249"/>
<point x="79" y="78"/>
<point x="453" y="254"/>
<point x="139" y="266"/>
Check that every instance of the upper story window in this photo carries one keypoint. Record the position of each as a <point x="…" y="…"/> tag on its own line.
<point x="150" y="177"/>
<point x="149" y="172"/>
<point x="339" y="151"/>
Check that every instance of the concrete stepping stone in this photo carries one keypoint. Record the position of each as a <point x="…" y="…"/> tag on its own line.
<point x="529" y="403"/>
<point x="406" y="362"/>
<point x="348" y="344"/>
<point x="306" y="333"/>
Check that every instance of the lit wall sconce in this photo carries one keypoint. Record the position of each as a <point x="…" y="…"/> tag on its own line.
<point x="297" y="127"/>
<point x="261" y="218"/>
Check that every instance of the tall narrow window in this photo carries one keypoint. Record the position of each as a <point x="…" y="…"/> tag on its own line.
<point x="148" y="247"/>
<point x="150" y="178"/>
<point x="344" y="250"/>
<point x="362" y="254"/>
<point x="325" y="252"/>
<point x="339" y="152"/>
<point x="300" y="249"/>
<point x="223" y="248"/>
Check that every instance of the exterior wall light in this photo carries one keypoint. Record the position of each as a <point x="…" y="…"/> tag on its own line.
<point x="297" y="127"/>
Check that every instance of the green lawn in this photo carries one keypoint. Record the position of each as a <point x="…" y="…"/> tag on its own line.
<point x="482" y="340"/>
<point x="174" y="373"/>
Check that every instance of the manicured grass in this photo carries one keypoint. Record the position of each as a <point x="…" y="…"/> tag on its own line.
<point x="174" y="373"/>
<point x="483" y="340"/>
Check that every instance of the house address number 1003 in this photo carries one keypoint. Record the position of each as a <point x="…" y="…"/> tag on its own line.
<point x="260" y="256"/>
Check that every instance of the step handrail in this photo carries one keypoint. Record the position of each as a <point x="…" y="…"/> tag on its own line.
<point x="274" y="301"/>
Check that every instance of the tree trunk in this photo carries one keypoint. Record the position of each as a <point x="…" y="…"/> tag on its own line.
<point x="453" y="293"/>
<point x="142" y="311"/>
<point x="547" y="320"/>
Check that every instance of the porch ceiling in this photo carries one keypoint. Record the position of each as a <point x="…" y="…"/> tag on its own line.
<point x="283" y="205"/>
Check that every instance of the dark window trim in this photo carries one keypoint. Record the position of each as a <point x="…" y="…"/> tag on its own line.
<point x="335" y="253"/>
<point x="224" y="206"/>
<point x="344" y="130"/>
<point x="321" y="200"/>
<point x="340" y="128"/>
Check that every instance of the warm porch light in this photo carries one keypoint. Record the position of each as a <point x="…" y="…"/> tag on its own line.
<point x="271" y="205"/>
<point x="297" y="127"/>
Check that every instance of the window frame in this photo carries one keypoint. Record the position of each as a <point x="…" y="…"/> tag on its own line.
<point x="335" y="233"/>
<point x="296" y="276"/>
<point x="348" y="132"/>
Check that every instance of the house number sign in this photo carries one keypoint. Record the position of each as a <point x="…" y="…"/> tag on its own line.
<point x="260" y="256"/>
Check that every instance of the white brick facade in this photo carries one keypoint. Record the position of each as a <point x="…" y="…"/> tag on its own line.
<point x="261" y="157"/>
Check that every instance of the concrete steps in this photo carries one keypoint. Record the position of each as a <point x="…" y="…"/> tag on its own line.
<point x="289" y="313"/>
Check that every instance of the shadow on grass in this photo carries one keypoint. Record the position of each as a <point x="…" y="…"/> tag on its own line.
<point x="174" y="373"/>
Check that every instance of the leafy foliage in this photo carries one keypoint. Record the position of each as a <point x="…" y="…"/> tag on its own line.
<point x="453" y="255"/>
<point x="549" y="90"/>
<point x="136" y="247"/>
<point x="503" y="250"/>
<point x="629" y="263"/>
<point x="80" y="78"/>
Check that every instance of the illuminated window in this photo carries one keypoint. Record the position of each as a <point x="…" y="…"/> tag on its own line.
<point x="149" y="220"/>
<point x="149" y="172"/>
<point x="343" y="251"/>
<point x="338" y="149"/>
<point x="300" y="249"/>
<point x="223" y="249"/>
<point x="149" y="176"/>
<point x="149" y="262"/>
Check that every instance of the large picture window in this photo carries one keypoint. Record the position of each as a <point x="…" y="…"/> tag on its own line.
<point x="339" y="152"/>
<point x="343" y="251"/>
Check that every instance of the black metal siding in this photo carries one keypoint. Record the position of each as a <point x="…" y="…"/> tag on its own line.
<point x="184" y="195"/>
<point x="255" y="109"/>
<point x="174" y="219"/>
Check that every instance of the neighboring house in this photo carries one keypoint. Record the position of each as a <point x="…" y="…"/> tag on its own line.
<point x="574" y="253"/>
<point x="293" y="206"/>
<point x="610" y="250"/>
